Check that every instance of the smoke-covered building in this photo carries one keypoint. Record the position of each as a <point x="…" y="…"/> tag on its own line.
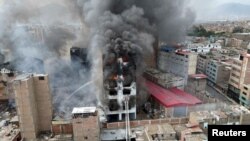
<point x="120" y="82"/>
<point x="79" y="59"/>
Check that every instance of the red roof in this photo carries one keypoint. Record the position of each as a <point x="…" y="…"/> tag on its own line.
<point x="171" y="97"/>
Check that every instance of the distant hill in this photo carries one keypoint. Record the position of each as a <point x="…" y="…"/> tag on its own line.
<point x="232" y="10"/>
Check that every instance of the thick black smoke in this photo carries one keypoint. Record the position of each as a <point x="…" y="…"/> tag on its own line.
<point x="137" y="24"/>
<point x="47" y="29"/>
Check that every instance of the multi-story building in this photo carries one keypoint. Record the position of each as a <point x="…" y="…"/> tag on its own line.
<point x="202" y="61"/>
<point x="203" y="48"/>
<point x="120" y="84"/>
<point x="239" y="75"/>
<point x="166" y="80"/>
<point x="197" y="85"/>
<point x="33" y="104"/>
<point x="218" y="72"/>
<point x="245" y="95"/>
<point x="181" y="63"/>
<point x="86" y="126"/>
<point x="233" y="42"/>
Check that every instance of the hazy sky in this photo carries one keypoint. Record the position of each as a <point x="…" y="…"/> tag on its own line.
<point x="204" y="7"/>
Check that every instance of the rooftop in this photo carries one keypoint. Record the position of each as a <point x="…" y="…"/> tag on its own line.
<point x="165" y="76"/>
<point x="196" y="137"/>
<point x="22" y="77"/>
<point x="198" y="76"/>
<point x="171" y="97"/>
<point x="115" y="134"/>
<point x="83" y="110"/>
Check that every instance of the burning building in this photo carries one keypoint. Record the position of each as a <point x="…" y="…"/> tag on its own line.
<point x="120" y="81"/>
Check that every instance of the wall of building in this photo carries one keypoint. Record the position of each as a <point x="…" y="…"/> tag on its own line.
<point x="182" y="64"/>
<point x="26" y="108"/>
<point x="86" y="128"/>
<point x="239" y="75"/>
<point x="197" y="87"/>
<point x="33" y="104"/>
<point x="217" y="72"/>
<point x="245" y="96"/>
<point x="202" y="62"/>
<point x="43" y="101"/>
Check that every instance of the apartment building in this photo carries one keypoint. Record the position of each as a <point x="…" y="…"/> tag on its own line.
<point x="181" y="63"/>
<point x="239" y="75"/>
<point x="203" y="48"/>
<point x="218" y="73"/>
<point x="202" y="61"/>
<point x="33" y="104"/>
<point x="197" y="85"/>
<point x="245" y="95"/>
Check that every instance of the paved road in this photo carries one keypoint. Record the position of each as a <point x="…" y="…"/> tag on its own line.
<point x="218" y="95"/>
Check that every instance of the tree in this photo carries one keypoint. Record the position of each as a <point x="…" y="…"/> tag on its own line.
<point x="238" y="29"/>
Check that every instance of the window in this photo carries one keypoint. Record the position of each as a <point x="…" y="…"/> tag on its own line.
<point x="41" y="78"/>
<point x="241" y="57"/>
<point x="243" y="98"/>
<point x="234" y="75"/>
<point x="234" y="81"/>
<point x="245" y="88"/>
<point x="244" y="93"/>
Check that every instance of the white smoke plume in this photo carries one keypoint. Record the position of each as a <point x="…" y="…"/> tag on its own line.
<point x="46" y="29"/>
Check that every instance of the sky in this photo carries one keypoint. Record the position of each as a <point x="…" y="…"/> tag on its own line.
<point x="204" y="7"/>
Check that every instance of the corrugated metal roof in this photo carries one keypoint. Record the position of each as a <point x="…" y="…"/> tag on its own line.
<point x="171" y="97"/>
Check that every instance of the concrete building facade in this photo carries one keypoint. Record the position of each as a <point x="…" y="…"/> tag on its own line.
<point x="86" y="126"/>
<point x="239" y="75"/>
<point x="245" y="95"/>
<point x="33" y="104"/>
<point x="197" y="85"/>
<point x="181" y="63"/>
<point x="202" y="61"/>
<point x="218" y="73"/>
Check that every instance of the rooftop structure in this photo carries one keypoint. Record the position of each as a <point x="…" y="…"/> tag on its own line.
<point x="203" y="48"/>
<point x="83" y="110"/>
<point x="166" y="80"/>
<point x="156" y="132"/>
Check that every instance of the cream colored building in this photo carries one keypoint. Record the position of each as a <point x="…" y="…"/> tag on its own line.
<point x="181" y="63"/>
<point x="240" y="74"/>
<point x="33" y="104"/>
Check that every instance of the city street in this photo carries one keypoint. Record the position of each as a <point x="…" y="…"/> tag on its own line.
<point x="216" y="94"/>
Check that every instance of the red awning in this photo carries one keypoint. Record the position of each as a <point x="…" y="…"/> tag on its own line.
<point x="171" y="97"/>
